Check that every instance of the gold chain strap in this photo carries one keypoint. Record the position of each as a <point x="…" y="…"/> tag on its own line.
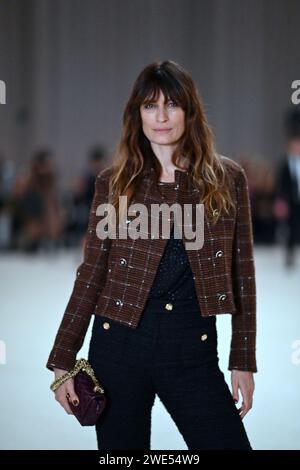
<point x="81" y="364"/>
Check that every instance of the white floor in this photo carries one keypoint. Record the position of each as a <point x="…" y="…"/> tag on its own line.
<point x="34" y="291"/>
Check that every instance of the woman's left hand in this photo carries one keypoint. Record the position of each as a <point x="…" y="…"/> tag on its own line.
<point x="244" y="381"/>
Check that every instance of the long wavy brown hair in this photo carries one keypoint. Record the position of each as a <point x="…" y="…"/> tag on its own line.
<point x="196" y="145"/>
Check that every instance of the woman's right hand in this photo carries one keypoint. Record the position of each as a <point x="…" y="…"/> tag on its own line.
<point x="65" y="392"/>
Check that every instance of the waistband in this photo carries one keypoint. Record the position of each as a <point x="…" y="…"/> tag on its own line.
<point x="173" y="307"/>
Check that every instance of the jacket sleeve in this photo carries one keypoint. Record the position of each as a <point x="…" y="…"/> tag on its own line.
<point x="89" y="281"/>
<point x="243" y="342"/>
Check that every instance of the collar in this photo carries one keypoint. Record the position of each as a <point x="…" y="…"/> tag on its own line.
<point x="181" y="177"/>
<point x="183" y="180"/>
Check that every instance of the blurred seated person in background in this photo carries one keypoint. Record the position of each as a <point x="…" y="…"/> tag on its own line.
<point x="287" y="204"/>
<point x="7" y="175"/>
<point x="263" y="196"/>
<point x="37" y="205"/>
<point x="82" y="192"/>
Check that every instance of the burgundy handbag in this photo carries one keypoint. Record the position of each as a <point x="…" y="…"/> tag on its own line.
<point x="91" y="395"/>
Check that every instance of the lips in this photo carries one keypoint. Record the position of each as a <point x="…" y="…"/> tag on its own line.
<point x="162" y="130"/>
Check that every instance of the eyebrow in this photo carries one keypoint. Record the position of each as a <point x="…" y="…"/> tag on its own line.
<point x="146" y="101"/>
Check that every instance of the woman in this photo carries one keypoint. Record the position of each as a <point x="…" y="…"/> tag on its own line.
<point x="155" y="300"/>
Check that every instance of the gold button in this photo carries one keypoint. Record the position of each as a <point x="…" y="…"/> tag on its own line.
<point x="204" y="337"/>
<point x="106" y="325"/>
<point x="169" y="306"/>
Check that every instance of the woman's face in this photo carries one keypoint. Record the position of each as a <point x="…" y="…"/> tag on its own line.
<point x="163" y="123"/>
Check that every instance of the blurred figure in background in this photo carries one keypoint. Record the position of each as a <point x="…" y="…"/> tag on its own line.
<point x="7" y="175"/>
<point x="261" y="182"/>
<point x="96" y="163"/>
<point x="82" y="192"/>
<point x="36" y="205"/>
<point x="263" y="197"/>
<point x="287" y="204"/>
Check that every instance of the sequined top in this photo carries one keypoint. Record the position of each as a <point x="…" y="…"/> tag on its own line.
<point x="174" y="277"/>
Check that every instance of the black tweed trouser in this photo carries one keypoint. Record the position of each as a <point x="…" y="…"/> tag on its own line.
<point x="171" y="353"/>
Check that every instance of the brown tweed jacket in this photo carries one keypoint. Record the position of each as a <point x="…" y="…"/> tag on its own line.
<point x="116" y="275"/>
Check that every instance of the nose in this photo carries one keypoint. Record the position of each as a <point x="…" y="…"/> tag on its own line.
<point x="161" y="115"/>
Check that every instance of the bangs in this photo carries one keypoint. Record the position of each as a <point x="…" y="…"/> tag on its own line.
<point x="150" y="90"/>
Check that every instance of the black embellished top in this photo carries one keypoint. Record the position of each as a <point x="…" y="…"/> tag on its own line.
<point x="174" y="277"/>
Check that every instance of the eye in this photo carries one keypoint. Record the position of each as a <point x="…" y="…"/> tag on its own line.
<point x="148" y="105"/>
<point x="171" y="104"/>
